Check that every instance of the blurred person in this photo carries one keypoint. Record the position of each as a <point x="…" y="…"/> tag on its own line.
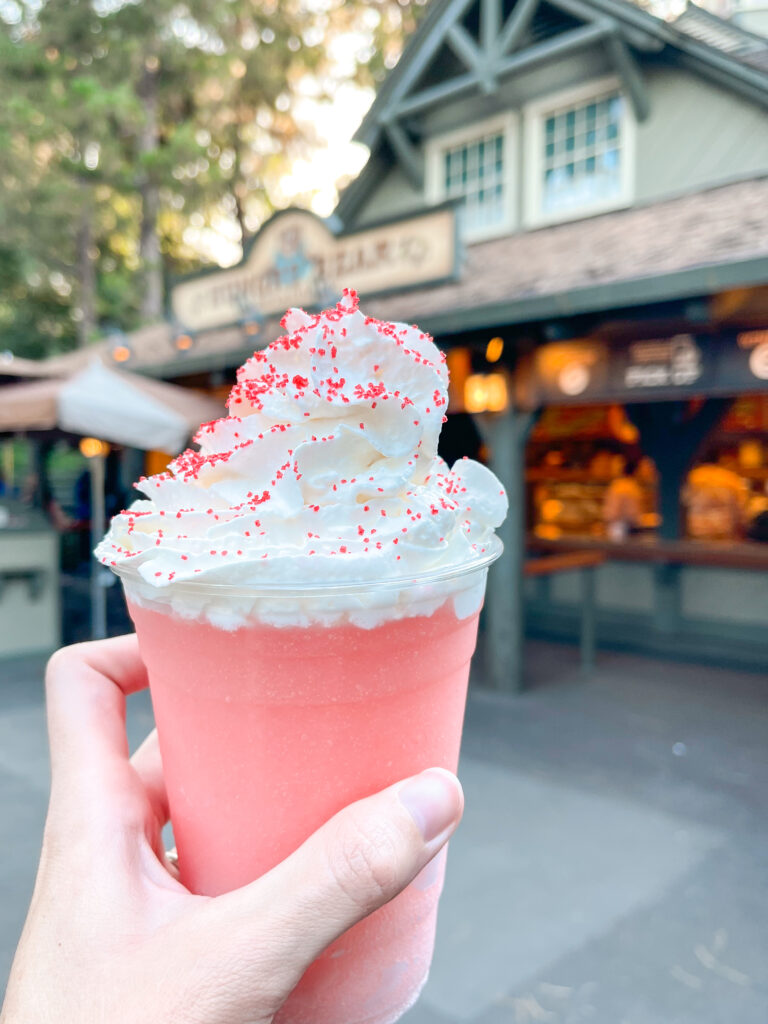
<point x="716" y="501"/>
<point x="37" y="493"/>
<point x="112" y="935"/>
<point x="623" y="502"/>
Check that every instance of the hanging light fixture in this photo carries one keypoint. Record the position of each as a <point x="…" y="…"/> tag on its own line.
<point x="183" y="339"/>
<point x="120" y="348"/>
<point x="494" y="349"/>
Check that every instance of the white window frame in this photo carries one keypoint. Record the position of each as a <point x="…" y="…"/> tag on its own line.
<point x="534" y="116"/>
<point x="434" y="178"/>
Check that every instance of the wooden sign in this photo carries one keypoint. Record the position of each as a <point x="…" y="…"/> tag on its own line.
<point x="296" y="260"/>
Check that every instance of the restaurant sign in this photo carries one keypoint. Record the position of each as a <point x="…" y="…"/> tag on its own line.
<point x="589" y="370"/>
<point x="296" y="260"/>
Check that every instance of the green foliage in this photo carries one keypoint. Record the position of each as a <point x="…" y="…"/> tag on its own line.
<point x="113" y="108"/>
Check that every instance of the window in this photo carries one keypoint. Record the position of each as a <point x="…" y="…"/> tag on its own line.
<point x="580" y="154"/>
<point x="475" y="165"/>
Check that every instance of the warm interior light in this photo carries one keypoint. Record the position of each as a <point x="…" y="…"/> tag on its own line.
<point x="497" y="392"/>
<point x="485" y="392"/>
<point x="551" y="509"/>
<point x="90" y="447"/>
<point x="459" y="362"/>
<point x="121" y="353"/>
<point x="750" y="454"/>
<point x="183" y="342"/>
<point x="493" y="350"/>
<point x="252" y="328"/>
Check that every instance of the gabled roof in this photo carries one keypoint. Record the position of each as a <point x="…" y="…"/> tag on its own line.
<point x="723" y="35"/>
<point x="690" y="245"/>
<point x="467" y="46"/>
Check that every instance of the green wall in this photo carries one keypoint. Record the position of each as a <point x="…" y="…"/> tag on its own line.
<point x="697" y="136"/>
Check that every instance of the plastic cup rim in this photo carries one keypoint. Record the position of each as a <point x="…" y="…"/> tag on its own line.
<point x="291" y="588"/>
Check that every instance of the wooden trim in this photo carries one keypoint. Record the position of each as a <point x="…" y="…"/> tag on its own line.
<point x="751" y="557"/>
<point x="464" y="46"/>
<point x="568" y="561"/>
<point x="532" y="56"/>
<point x="408" y="75"/>
<point x="631" y="76"/>
<point x="407" y="155"/>
<point x="490" y="24"/>
<point x="518" y="21"/>
<point x="533" y="121"/>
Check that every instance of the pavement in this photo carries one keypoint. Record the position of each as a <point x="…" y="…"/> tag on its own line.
<point x="611" y="865"/>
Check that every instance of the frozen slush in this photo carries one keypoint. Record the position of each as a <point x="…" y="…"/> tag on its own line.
<point x="306" y="588"/>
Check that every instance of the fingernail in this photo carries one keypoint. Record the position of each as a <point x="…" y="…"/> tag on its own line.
<point x="433" y="799"/>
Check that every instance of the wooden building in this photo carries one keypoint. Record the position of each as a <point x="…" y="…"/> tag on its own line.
<point x="572" y="196"/>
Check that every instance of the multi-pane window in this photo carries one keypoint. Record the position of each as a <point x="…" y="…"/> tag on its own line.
<point x="474" y="171"/>
<point x="582" y="154"/>
<point x="475" y="165"/>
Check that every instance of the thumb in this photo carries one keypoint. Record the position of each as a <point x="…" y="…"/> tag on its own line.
<point x="354" y="864"/>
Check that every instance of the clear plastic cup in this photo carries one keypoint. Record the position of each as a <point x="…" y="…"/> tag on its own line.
<point x="318" y="696"/>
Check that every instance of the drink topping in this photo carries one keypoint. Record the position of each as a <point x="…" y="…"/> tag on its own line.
<point x="326" y="468"/>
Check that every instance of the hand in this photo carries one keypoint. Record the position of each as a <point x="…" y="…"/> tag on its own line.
<point x="112" y="936"/>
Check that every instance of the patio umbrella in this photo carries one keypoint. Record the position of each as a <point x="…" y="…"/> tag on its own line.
<point x="111" y="405"/>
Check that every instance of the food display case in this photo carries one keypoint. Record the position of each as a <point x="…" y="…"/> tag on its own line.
<point x="702" y="593"/>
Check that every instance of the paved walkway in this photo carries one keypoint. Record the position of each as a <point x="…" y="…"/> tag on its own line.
<point x="611" y="867"/>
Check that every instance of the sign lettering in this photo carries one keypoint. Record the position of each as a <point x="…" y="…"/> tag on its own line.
<point x="296" y="260"/>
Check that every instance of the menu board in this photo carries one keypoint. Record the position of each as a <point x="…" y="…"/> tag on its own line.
<point x="684" y="365"/>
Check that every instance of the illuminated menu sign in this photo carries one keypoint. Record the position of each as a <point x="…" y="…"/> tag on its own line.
<point x="588" y="370"/>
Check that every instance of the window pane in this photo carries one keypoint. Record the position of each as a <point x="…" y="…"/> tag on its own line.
<point x="474" y="171"/>
<point x="582" y="154"/>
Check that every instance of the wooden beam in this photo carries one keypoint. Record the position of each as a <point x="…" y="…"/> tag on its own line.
<point x="436" y="94"/>
<point x="407" y="155"/>
<point x="467" y="50"/>
<point x="490" y="25"/>
<point x="517" y="24"/>
<point x="630" y="75"/>
<point x="464" y="46"/>
<point x="560" y="46"/>
<point x="409" y="75"/>
<point x="568" y="42"/>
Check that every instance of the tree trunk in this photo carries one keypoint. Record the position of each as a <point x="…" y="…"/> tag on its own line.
<point x="240" y="213"/>
<point x="86" y="274"/>
<point x="149" y="243"/>
<point x="239" y="189"/>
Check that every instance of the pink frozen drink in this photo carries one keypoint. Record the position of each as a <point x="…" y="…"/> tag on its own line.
<point x="306" y="590"/>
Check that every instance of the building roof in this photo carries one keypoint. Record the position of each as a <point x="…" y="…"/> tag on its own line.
<point x="690" y="245"/>
<point x="723" y="35"/>
<point x="685" y="246"/>
<point x="537" y="31"/>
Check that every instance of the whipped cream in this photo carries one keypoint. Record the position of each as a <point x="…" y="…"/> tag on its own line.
<point x="325" y="472"/>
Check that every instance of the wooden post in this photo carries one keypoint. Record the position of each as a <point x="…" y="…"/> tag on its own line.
<point x="98" y="591"/>
<point x="587" y="641"/>
<point x="671" y="435"/>
<point x="506" y="435"/>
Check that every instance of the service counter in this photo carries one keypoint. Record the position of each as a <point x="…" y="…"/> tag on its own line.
<point x="30" y="617"/>
<point x="685" y="599"/>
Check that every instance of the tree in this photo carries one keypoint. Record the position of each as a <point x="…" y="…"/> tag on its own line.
<point x="128" y="123"/>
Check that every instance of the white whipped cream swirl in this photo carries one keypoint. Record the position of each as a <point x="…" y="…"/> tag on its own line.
<point x="325" y="471"/>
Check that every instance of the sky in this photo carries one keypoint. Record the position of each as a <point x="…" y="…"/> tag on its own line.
<point x="313" y="180"/>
